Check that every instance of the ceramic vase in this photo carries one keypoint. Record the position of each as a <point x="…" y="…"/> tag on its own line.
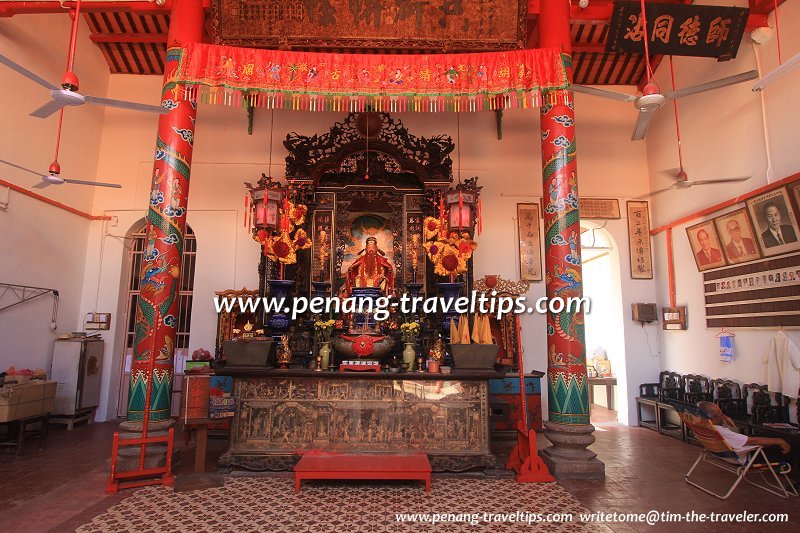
<point x="409" y="353"/>
<point x="279" y="321"/>
<point x="325" y="353"/>
<point x="450" y="291"/>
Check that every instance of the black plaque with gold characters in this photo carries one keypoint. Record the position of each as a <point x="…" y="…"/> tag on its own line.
<point x="677" y="29"/>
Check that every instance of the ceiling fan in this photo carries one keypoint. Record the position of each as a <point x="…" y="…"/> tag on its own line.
<point x="652" y="99"/>
<point x="682" y="180"/>
<point x="53" y="177"/>
<point x="67" y="94"/>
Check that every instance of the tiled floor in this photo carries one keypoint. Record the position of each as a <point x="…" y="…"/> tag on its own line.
<point x="62" y="487"/>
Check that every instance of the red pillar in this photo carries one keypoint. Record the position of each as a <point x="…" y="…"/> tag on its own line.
<point x="568" y="425"/>
<point x="157" y="311"/>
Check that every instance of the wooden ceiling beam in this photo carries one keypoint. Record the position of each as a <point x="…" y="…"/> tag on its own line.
<point x="140" y="7"/>
<point x="121" y="38"/>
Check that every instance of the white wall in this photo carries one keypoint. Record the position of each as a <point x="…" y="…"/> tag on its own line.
<point x="42" y="245"/>
<point x="723" y="136"/>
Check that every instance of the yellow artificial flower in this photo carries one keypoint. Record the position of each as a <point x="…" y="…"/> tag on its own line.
<point x="301" y="240"/>
<point x="434" y="249"/>
<point x="297" y="213"/>
<point x="283" y="249"/>
<point x="451" y="262"/>
<point x="431" y="226"/>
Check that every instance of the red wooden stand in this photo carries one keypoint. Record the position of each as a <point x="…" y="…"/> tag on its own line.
<point x="143" y="476"/>
<point x="330" y="465"/>
<point x="359" y="368"/>
<point x="525" y="460"/>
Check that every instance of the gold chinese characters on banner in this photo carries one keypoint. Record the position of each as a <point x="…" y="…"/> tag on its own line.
<point x="639" y="240"/>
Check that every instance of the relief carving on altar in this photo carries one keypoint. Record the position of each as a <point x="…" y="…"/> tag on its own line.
<point x="367" y="415"/>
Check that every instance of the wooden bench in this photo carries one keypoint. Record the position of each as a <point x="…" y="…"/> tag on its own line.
<point x="331" y="465"/>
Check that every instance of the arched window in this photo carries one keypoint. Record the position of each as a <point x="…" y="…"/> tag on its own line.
<point x="137" y="240"/>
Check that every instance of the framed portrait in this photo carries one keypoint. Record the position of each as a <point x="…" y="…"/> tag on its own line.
<point x="530" y="242"/>
<point x="794" y="192"/>
<point x="706" y="247"/>
<point x="775" y="221"/>
<point x="739" y="242"/>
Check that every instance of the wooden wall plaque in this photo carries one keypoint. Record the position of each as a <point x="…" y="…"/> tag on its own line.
<point x="763" y="293"/>
<point x="377" y="25"/>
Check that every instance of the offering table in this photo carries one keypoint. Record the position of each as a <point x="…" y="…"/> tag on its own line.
<point x="281" y="414"/>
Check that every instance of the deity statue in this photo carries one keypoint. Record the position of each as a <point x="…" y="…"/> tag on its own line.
<point x="371" y="269"/>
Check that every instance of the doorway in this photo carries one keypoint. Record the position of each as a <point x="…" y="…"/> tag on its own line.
<point x="605" y="342"/>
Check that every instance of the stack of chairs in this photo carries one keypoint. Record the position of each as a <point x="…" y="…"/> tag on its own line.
<point x="749" y="406"/>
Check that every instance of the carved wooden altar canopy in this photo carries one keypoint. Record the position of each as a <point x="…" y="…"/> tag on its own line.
<point x="367" y="169"/>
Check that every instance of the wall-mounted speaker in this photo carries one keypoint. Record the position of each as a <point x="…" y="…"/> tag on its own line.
<point x="645" y="313"/>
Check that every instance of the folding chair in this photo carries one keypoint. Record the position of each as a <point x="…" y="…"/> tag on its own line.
<point x="718" y="453"/>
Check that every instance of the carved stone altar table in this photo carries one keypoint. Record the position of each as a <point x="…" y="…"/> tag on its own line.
<point x="280" y="414"/>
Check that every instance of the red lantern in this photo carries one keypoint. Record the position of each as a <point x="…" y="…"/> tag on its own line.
<point x="266" y="200"/>
<point x="461" y="208"/>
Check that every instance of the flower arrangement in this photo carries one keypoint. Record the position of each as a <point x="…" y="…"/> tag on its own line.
<point x="283" y="246"/>
<point x="324" y="330"/>
<point x="449" y="254"/>
<point x="409" y="332"/>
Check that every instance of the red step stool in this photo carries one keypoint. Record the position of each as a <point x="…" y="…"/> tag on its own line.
<point x="332" y="465"/>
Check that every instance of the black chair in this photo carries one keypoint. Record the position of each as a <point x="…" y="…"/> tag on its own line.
<point x="728" y="395"/>
<point x="648" y="395"/>
<point x="669" y="386"/>
<point x="672" y="388"/>
<point x="696" y="389"/>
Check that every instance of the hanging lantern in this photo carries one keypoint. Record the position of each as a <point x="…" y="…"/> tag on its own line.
<point x="461" y="209"/>
<point x="266" y="199"/>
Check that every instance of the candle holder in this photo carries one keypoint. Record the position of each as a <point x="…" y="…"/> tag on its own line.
<point x="319" y="364"/>
<point x="420" y="364"/>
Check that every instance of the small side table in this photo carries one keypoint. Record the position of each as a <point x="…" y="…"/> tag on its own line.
<point x="22" y="424"/>
<point x="199" y="479"/>
<point x="609" y="383"/>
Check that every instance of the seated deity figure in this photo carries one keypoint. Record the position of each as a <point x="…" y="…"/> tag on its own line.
<point x="371" y="269"/>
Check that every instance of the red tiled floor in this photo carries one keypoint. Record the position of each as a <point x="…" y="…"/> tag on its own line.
<point x="63" y="486"/>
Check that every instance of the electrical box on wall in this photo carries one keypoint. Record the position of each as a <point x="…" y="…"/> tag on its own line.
<point x="97" y="321"/>
<point x="645" y="313"/>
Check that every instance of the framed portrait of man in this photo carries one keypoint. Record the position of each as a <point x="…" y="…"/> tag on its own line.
<point x="706" y="246"/>
<point x="739" y="242"/>
<point x="775" y="221"/>
<point x="794" y="192"/>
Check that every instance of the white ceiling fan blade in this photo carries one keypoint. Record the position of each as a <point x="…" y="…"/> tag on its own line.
<point x="671" y="172"/>
<point x="724" y="180"/>
<point x="42" y="184"/>
<point x="711" y="85"/>
<point x="126" y="105"/>
<point x="603" y="93"/>
<point x="27" y="73"/>
<point x="95" y="183"/>
<point x="642" y="123"/>
<point x="9" y="163"/>
<point x="777" y="73"/>
<point x="659" y="191"/>
<point x="48" y="109"/>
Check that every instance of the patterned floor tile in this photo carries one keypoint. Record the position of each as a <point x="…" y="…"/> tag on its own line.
<point x="270" y="504"/>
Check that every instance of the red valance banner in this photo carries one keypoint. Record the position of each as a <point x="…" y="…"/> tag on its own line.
<point x="352" y="82"/>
